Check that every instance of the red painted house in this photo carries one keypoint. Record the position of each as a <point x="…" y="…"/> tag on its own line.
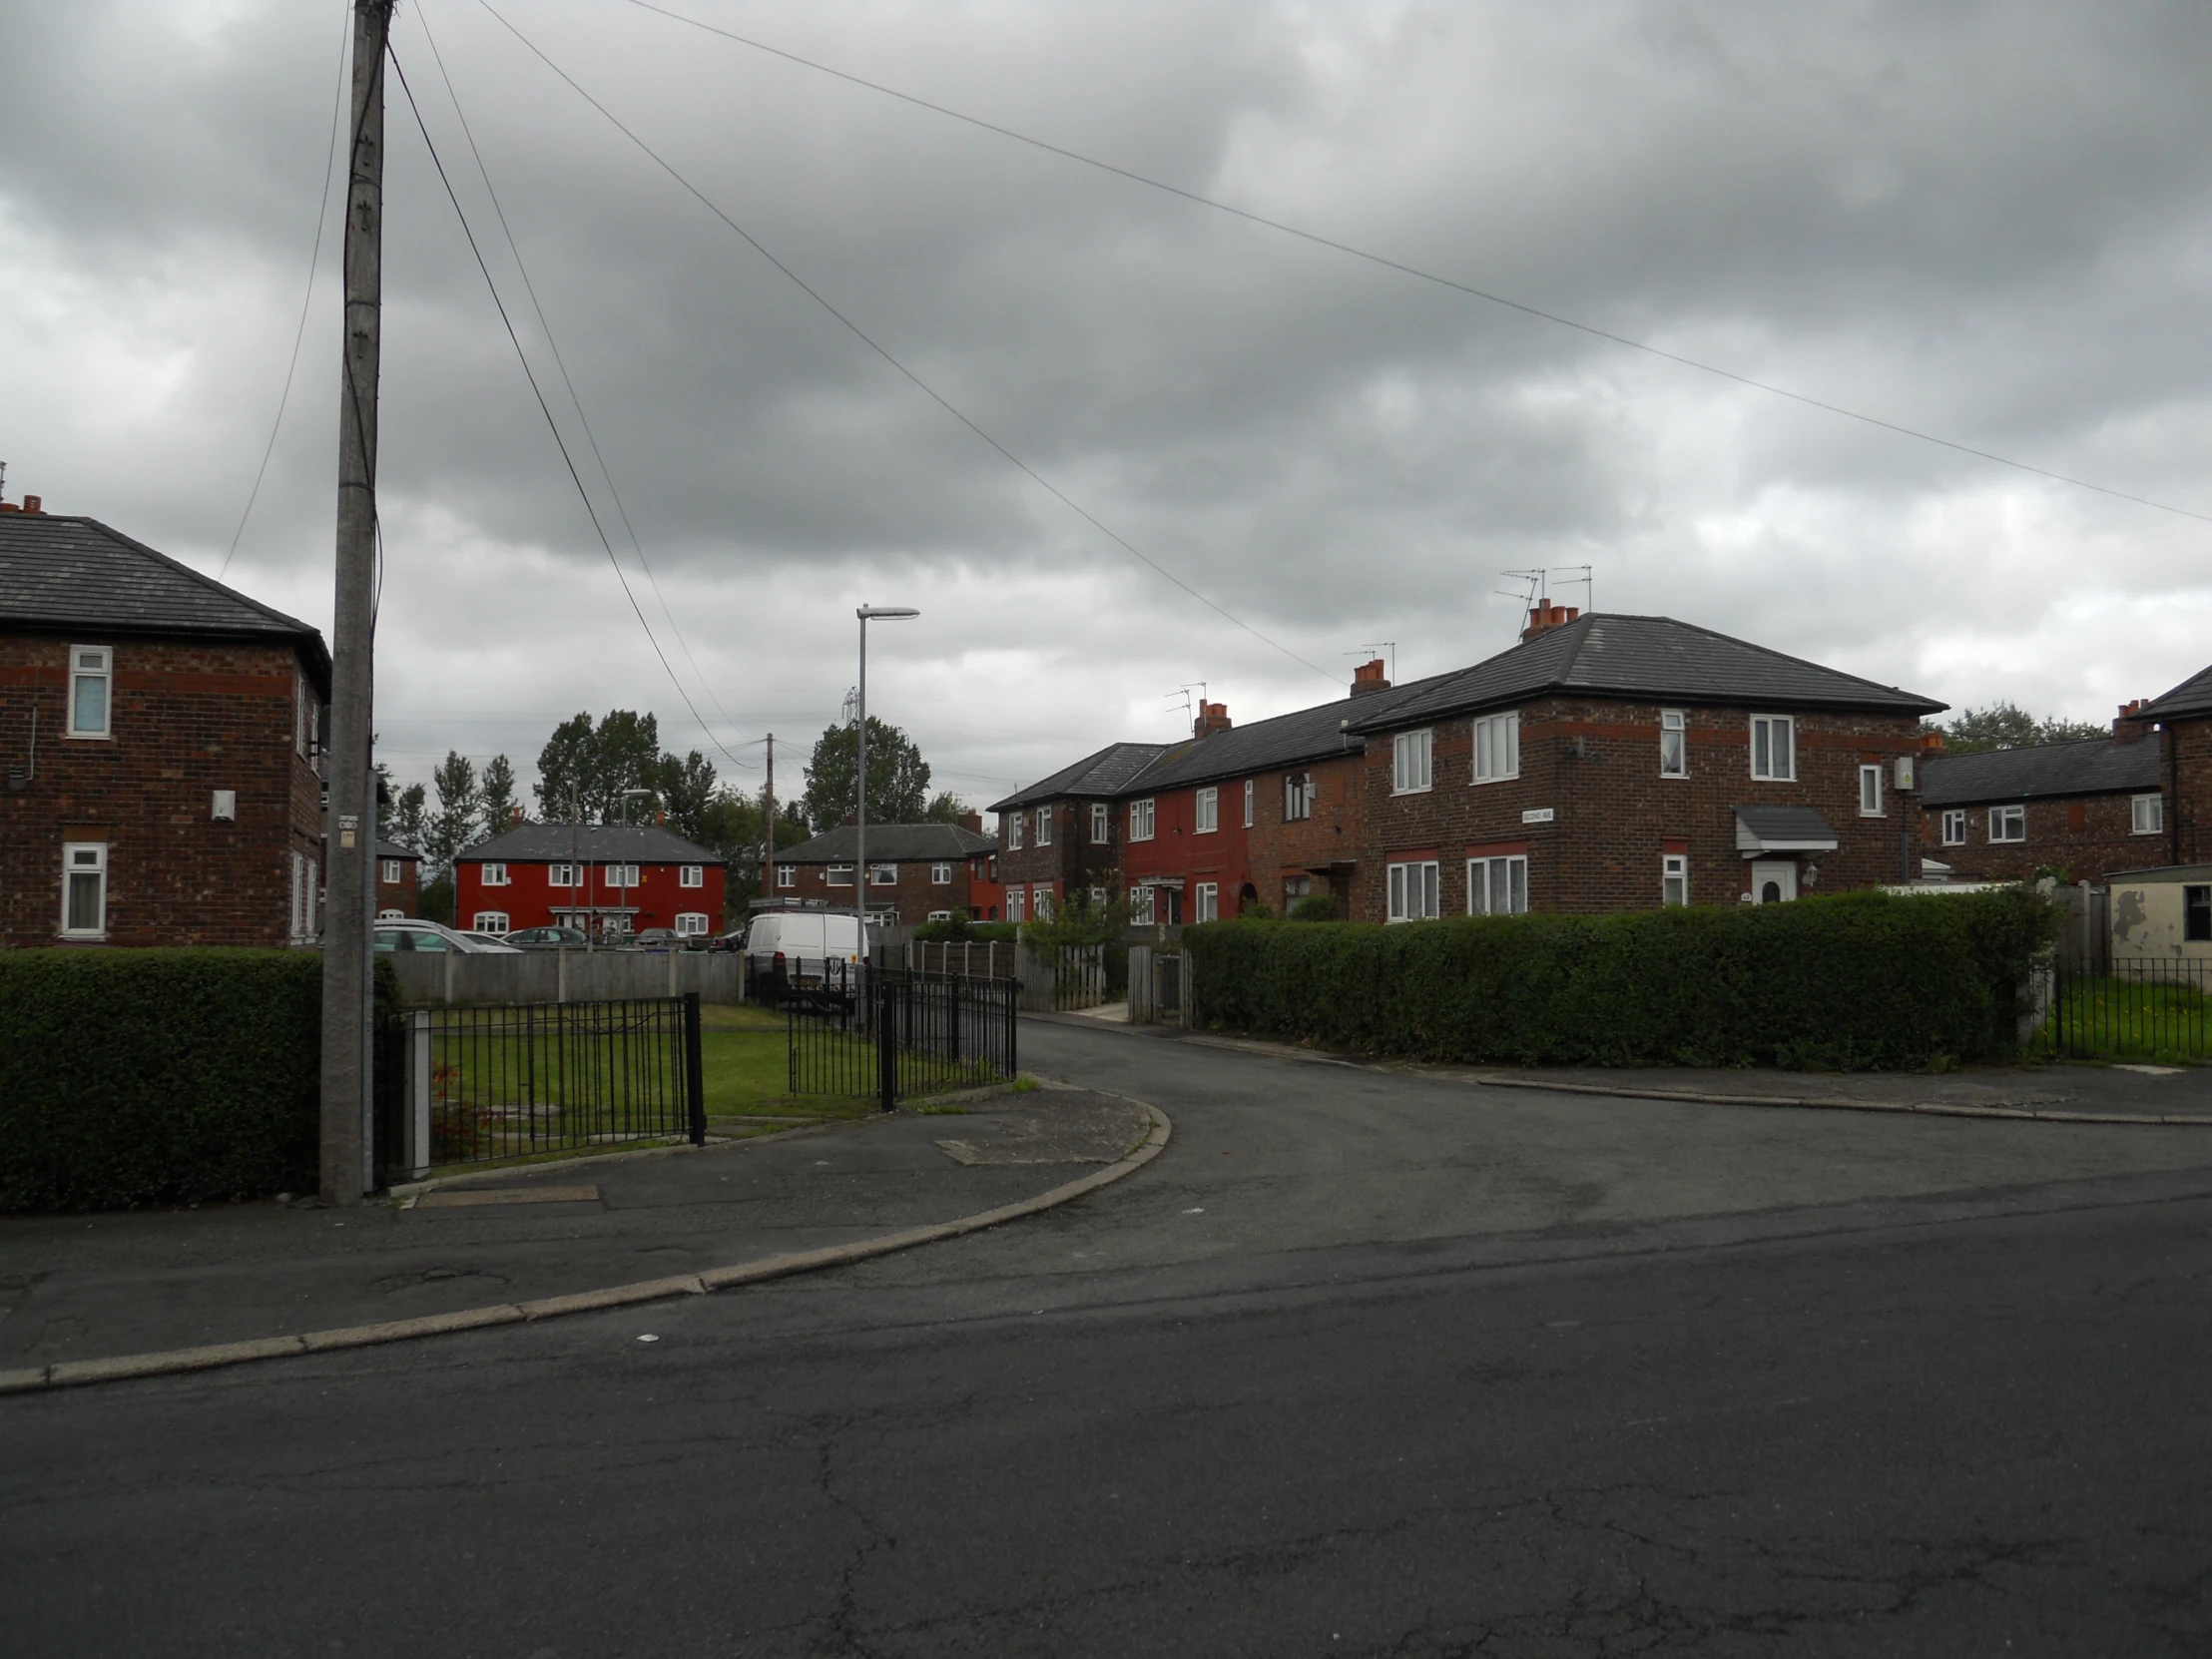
<point x="607" y="878"/>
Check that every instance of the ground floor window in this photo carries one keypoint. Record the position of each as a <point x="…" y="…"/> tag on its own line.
<point x="85" y="889"/>
<point x="1206" y="902"/>
<point x="1497" y="887"/>
<point x="391" y="916"/>
<point x="1013" y="903"/>
<point x="1674" y="879"/>
<point x="940" y="915"/>
<point x="1140" y="907"/>
<point x="1413" y="891"/>
<point x="306" y="874"/>
<point x="2196" y="914"/>
<point x="691" y="924"/>
<point x="1042" y="903"/>
<point x="490" y="921"/>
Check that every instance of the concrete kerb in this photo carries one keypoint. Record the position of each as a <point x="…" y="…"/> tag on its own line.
<point x="80" y="1373"/>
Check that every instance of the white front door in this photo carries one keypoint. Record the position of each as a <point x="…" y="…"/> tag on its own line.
<point x="1773" y="880"/>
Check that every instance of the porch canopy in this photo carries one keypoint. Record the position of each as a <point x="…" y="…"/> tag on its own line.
<point x="1763" y="830"/>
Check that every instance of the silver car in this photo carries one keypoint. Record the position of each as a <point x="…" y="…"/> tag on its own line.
<point x="411" y="935"/>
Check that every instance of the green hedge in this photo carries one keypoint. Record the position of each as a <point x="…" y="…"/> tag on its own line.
<point x="159" y="1076"/>
<point x="1854" y="982"/>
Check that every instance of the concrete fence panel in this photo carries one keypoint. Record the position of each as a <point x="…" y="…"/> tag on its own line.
<point x="567" y="977"/>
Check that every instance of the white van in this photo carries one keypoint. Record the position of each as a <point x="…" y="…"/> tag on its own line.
<point x="787" y="951"/>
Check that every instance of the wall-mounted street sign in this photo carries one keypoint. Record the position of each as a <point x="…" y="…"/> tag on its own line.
<point x="1539" y="814"/>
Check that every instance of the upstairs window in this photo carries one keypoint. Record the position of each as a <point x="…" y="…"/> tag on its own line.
<point x="1101" y="823"/>
<point x="560" y="875"/>
<point x="1674" y="743"/>
<point x="1954" y="827"/>
<point x="1044" y="825"/>
<point x="390" y="875"/>
<point x="1251" y="790"/>
<point x="1409" y="762"/>
<point x="883" y="876"/>
<point x="2148" y="814"/>
<point x="787" y="875"/>
<point x="621" y="876"/>
<point x="1496" y="748"/>
<point x="940" y="875"/>
<point x="493" y="876"/>
<point x="1298" y="796"/>
<point x="1869" y="792"/>
<point x="1774" y="748"/>
<point x="2008" y="823"/>
<point x="691" y="875"/>
<point x="1013" y="831"/>
<point x="839" y="876"/>
<point x="1141" y="817"/>
<point x="91" y="680"/>
<point x="1206" y="811"/>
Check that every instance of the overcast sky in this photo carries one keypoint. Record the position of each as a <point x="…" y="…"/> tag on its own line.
<point x="1989" y="223"/>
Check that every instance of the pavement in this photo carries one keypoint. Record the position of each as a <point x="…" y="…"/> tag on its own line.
<point x="77" y="1288"/>
<point x="1366" y="1362"/>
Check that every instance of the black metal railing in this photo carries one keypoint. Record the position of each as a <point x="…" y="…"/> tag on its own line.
<point x="518" y="1081"/>
<point x="890" y="1033"/>
<point x="2149" y="1010"/>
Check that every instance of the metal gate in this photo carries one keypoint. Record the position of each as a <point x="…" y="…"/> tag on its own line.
<point x="889" y="1034"/>
<point x="2147" y="1011"/>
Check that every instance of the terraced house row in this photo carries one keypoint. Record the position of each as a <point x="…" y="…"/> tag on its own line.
<point x="1605" y="762"/>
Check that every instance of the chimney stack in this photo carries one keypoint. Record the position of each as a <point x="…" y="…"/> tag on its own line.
<point x="514" y="818"/>
<point x="2128" y="726"/>
<point x="1212" y="717"/>
<point x="34" y="503"/>
<point x="1544" y="616"/>
<point x="973" y="821"/>
<point x="1368" y="677"/>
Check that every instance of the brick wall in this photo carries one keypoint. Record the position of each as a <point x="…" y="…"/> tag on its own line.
<point x="404" y="895"/>
<point x="187" y="718"/>
<point x="915" y="893"/>
<point x="1596" y="765"/>
<point x="2188" y="767"/>
<point x="1074" y="862"/>
<point x="1324" y="848"/>
<point x="2088" y="836"/>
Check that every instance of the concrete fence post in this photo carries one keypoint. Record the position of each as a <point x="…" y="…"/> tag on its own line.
<point x="417" y="1152"/>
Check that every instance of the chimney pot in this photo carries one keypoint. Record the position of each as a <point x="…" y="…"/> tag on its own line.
<point x="1368" y="677"/>
<point x="1212" y="717"/>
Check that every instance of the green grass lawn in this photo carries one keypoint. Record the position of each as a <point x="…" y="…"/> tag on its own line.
<point x="743" y="1053"/>
<point x="2130" y="1020"/>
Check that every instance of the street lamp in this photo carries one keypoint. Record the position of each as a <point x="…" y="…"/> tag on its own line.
<point x="867" y="614"/>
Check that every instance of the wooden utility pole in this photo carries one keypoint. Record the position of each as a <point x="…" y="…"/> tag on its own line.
<point x="350" y="831"/>
<point x="768" y="860"/>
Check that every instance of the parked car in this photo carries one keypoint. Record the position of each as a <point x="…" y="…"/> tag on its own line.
<point x="415" y="936"/>
<point x="811" y="956"/>
<point x="547" y="939"/>
<point x="661" y="939"/>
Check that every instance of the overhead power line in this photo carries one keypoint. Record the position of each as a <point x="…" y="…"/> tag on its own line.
<point x="314" y="261"/>
<point x="561" y="362"/>
<point x="545" y="408"/>
<point x="870" y="342"/>
<point x="1400" y="267"/>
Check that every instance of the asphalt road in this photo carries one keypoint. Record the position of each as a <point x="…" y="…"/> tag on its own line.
<point x="1362" y="1365"/>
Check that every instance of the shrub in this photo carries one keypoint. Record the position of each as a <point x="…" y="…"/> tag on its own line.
<point x="160" y="1076"/>
<point x="1314" y="906"/>
<point x="1852" y="981"/>
<point x="964" y="929"/>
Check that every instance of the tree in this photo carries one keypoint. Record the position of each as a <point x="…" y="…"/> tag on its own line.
<point x="497" y="796"/>
<point x="453" y="826"/>
<point x="622" y="751"/>
<point x="409" y="816"/>
<point x="943" y="808"/>
<point x="2008" y="726"/>
<point x="684" y="790"/>
<point x="898" y="776"/>
<point x="734" y="826"/>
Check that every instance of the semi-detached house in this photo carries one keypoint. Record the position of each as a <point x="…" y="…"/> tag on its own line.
<point x="916" y="871"/>
<point x="607" y="879"/>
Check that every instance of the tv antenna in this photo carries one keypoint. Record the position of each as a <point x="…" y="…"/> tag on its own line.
<point x="1368" y="652"/>
<point x="1190" y="715"/>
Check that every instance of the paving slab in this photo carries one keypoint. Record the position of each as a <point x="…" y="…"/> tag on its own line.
<point x="76" y="1289"/>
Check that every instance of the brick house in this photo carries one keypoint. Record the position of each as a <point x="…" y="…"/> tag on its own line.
<point x="1064" y="833"/>
<point x="2087" y="808"/>
<point x="916" y="871"/>
<point x="2183" y="717"/>
<point x="399" y="880"/>
<point x="1614" y="762"/>
<point x="162" y="738"/>
<point x="605" y="879"/>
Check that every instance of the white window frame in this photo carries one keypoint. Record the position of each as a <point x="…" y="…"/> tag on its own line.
<point x="1206" y="902"/>
<point x="620" y="875"/>
<point x="1040" y="902"/>
<point x="1298" y="796"/>
<point x="1098" y="899"/>
<point x="1483" y="878"/>
<point x="1778" y="735"/>
<point x="1015" y="825"/>
<point x="491" y="876"/>
<point x="1102" y="822"/>
<point x="87" y="859"/>
<point x="1142" y="908"/>
<point x="561" y="876"/>
<point x="90" y="663"/>
<point x="1412" y="890"/>
<point x="938" y="916"/>
<point x="1410" y="756"/>
<point x="490" y="921"/>
<point x="1869" y="792"/>
<point x="787" y="875"/>
<point x="1496" y="748"/>
<point x="1954" y="827"/>
<point x="1143" y="817"/>
<point x="1014" y="897"/>
<point x="1206" y="810"/>
<point x="691" y="875"/>
<point x="830" y="876"/>
<point x="2002" y="816"/>
<point x="1674" y="724"/>
<point x="1044" y="825"/>
<point x="2148" y="813"/>
<point x="941" y="874"/>
<point x="691" y="924"/>
<point x="1251" y="792"/>
<point x="1674" y="879"/>
<point x="390" y="875"/>
<point x="883" y="876"/>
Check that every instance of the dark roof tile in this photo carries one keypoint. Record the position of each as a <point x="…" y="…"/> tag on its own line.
<point x="642" y="844"/>
<point x="889" y="843"/>
<point x="2192" y="696"/>
<point x="2098" y="765"/>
